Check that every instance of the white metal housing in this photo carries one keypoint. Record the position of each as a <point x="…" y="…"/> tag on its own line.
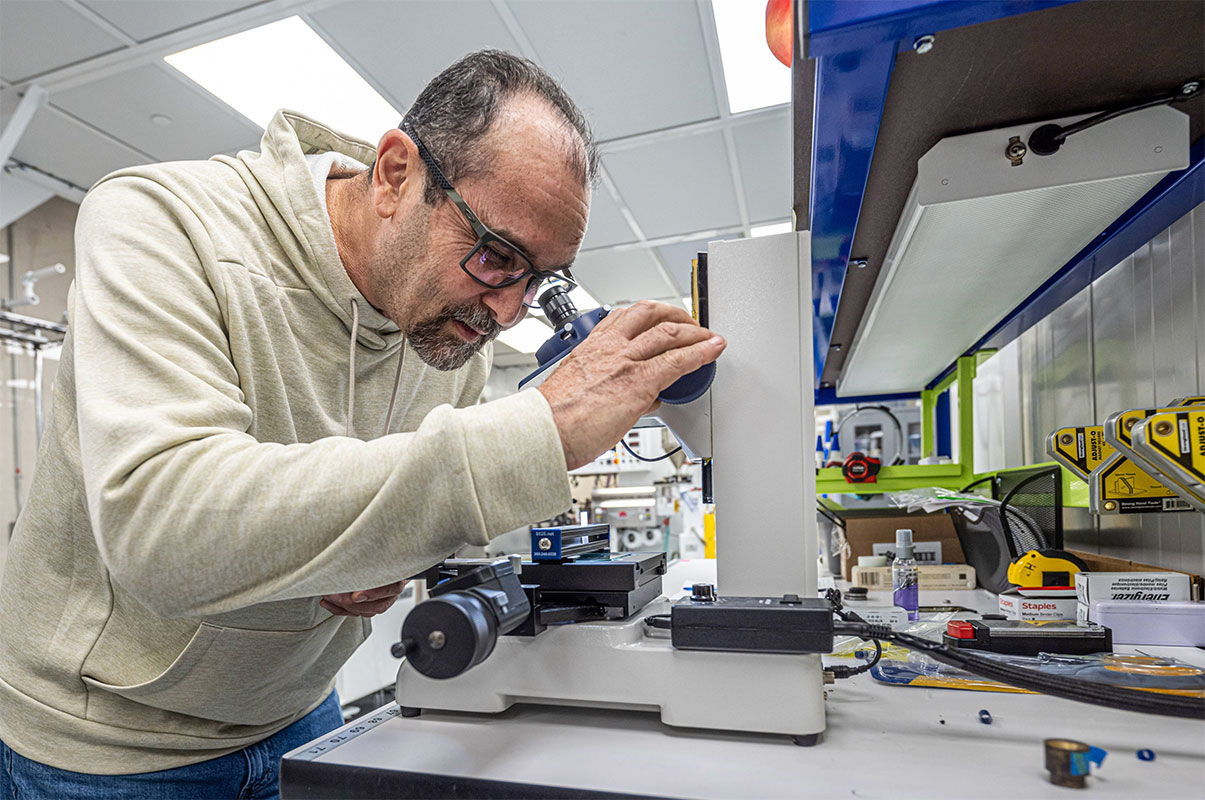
<point x="978" y="235"/>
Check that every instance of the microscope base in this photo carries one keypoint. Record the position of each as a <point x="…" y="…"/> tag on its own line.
<point x="615" y="665"/>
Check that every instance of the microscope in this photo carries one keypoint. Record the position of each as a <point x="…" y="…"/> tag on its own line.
<point x="576" y="623"/>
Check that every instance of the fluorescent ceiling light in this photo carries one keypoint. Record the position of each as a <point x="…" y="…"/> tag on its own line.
<point x="754" y="77"/>
<point x="287" y="65"/>
<point x="769" y="230"/>
<point x="527" y="336"/>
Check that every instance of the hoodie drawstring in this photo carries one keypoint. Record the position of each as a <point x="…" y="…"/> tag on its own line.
<point x="351" y="372"/>
<point x="351" y="365"/>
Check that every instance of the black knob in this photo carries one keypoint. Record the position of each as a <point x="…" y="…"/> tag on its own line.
<point x="702" y="593"/>
<point x="855" y="593"/>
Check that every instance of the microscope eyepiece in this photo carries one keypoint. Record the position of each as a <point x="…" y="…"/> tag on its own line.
<point x="557" y="306"/>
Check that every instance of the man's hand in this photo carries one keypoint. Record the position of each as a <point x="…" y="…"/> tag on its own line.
<point x="612" y="378"/>
<point x="366" y="603"/>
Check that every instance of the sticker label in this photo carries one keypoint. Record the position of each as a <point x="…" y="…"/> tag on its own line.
<point x="1175" y="443"/>
<point x="1121" y="487"/>
<point x="1080" y="450"/>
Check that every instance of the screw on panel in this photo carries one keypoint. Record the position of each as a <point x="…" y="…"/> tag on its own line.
<point x="544" y="543"/>
<point x="1066" y="438"/>
<point x="437" y="640"/>
<point x="924" y="44"/>
<point x="1110" y="506"/>
<point x="1015" y="151"/>
<point x="1131" y="422"/>
<point x="1163" y="427"/>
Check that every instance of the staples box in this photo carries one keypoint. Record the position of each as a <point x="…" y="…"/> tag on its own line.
<point x="1014" y="606"/>
<point x="1097" y="587"/>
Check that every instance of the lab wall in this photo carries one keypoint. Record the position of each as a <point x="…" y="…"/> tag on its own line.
<point x="1134" y="338"/>
<point x="42" y="237"/>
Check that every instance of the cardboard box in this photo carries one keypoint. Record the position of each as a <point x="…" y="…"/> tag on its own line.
<point x="1099" y="563"/>
<point x="863" y="532"/>
<point x="1094" y="587"/>
<point x="938" y="577"/>
<point x="1014" y="606"/>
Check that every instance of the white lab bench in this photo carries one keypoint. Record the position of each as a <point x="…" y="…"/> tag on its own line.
<point x="881" y="741"/>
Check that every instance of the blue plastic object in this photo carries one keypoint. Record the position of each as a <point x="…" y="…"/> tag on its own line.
<point x="688" y="388"/>
<point x="1146" y="755"/>
<point x="985" y="716"/>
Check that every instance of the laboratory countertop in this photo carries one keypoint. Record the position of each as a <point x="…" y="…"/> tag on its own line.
<point x="881" y="741"/>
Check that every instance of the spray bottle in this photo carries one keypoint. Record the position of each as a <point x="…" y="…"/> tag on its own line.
<point x="904" y="579"/>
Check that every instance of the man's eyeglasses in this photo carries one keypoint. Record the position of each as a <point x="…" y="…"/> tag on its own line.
<point x="493" y="261"/>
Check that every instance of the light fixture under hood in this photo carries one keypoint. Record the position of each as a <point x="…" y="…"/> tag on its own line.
<point x="979" y="234"/>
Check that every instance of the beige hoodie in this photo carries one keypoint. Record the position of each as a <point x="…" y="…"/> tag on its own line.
<point x="196" y="492"/>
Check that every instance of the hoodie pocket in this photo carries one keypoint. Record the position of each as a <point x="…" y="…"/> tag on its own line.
<point x="247" y="677"/>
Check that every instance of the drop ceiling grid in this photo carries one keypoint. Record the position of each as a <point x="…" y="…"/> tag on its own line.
<point x="607" y="225"/>
<point x="763" y="147"/>
<point x="632" y="67"/>
<point x="399" y="53"/>
<point x="684" y="187"/>
<point x="621" y="277"/>
<point x="70" y="150"/>
<point x="677" y="184"/>
<point x="123" y="104"/>
<point x="37" y="36"/>
<point x="145" y="19"/>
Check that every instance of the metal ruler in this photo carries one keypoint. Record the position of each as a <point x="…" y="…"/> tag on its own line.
<point x="345" y="734"/>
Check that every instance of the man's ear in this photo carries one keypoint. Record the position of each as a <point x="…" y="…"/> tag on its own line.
<point x="397" y="171"/>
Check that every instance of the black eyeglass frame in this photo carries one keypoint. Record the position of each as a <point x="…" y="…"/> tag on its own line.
<point x="484" y="234"/>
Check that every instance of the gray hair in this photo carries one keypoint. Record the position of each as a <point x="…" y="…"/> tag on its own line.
<point x="458" y="107"/>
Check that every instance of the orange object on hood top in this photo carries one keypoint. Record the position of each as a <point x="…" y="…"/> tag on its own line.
<point x="780" y="29"/>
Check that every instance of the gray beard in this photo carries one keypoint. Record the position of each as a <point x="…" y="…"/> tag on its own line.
<point x="446" y="352"/>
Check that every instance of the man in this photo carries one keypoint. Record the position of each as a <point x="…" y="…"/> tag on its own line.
<point x="267" y="404"/>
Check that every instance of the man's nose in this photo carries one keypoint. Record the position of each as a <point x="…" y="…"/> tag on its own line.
<point x="506" y="303"/>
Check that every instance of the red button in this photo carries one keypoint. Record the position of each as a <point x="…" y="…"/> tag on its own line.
<point x="960" y="629"/>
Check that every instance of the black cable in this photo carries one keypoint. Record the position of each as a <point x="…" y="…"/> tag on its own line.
<point x="633" y="453"/>
<point x="1047" y="139"/>
<point x="661" y="621"/>
<point x="841" y="672"/>
<point x="1057" y="685"/>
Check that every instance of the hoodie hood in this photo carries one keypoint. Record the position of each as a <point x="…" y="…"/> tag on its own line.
<point x="279" y="177"/>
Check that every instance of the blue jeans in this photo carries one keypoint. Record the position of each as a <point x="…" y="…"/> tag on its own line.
<point x="252" y="773"/>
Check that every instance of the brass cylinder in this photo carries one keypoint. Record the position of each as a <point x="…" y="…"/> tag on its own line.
<point x="1067" y="762"/>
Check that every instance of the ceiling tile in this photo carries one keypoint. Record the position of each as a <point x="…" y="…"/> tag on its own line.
<point x="677" y="185"/>
<point x="622" y="277"/>
<point x="146" y="19"/>
<point x="763" y="153"/>
<point x="63" y="147"/>
<point x="41" y="35"/>
<point x="402" y="46"/>
<point x="122" y="105"/>
<point x="607" y="226"/>
<point x="632" y="66"/>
